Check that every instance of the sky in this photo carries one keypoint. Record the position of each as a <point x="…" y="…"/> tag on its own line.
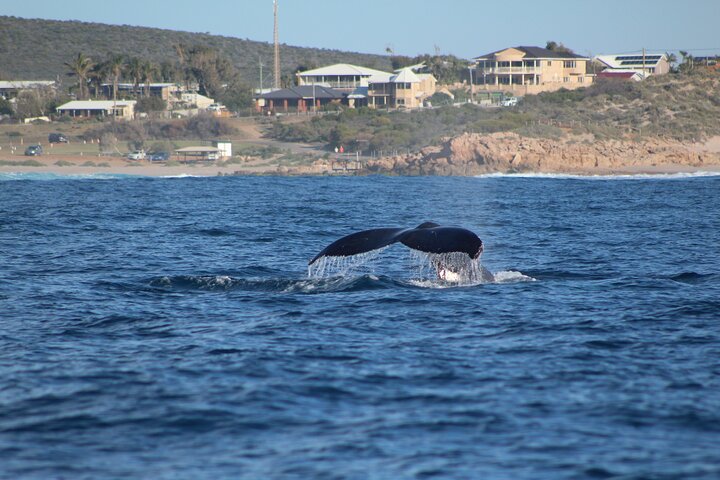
<point x="465" y="28"/>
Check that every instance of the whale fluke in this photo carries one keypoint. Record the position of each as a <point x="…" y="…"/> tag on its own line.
<point x="427" y="237"/>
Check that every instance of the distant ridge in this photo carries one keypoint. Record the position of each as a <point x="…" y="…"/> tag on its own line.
<point x="37" y="49"/>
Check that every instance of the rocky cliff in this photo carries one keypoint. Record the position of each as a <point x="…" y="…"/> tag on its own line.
<point x="475" y="154"/>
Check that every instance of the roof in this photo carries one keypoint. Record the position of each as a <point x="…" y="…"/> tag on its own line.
<point x="359" y="92"/>
<point x="304" y="92"/>
<point x="535" y="52"/>
<point x="200" y="149"/>
<point x="95" y="104"/>
<point x="341" y="69"/>
<point x="141" y="84"/>
<point x="649" y="60"/>
<point x="20" y="84"/>
<point x="406" y="75"/>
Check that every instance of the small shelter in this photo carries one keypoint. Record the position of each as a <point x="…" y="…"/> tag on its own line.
<point x="201" y="153"/>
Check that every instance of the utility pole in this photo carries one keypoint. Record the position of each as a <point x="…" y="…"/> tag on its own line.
<point x="277" y="46"/>
<point x="644" y="72"/>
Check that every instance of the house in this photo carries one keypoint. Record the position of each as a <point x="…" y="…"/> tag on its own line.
<point x="404" y="89"/>
<point x="341" y="76"/>
<point x="166" y="91"/>
<point x="645" y="65"/>
<point x="529" y="70"/>
<point x="298" y="99"/>
<point x="710" y="63"/>
<point x="124" y="109"/>
<point x="620" y="74"/>
<point x="10" y="88"/>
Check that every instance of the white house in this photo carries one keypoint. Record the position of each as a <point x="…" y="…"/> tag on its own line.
<point x="341" y="76"/>
<point x="645" y="65"/>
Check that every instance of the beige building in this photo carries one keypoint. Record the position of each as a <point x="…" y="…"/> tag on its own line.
<point x="124" y="109"/>
<point x="529" y="70"/>
<point x="404" y="89"/>
<point x="341" y="76"/>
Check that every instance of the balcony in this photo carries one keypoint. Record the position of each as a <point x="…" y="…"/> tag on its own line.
<point x="510" y="71"/>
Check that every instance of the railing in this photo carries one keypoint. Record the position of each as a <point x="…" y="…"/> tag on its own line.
<point x="507" y="70"/>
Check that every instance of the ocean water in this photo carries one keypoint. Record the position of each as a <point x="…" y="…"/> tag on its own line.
<point x="168" y="329"/>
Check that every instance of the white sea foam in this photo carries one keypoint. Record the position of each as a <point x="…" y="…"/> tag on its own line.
<point x="628" y="176"/>
<point x="55" y="176"/>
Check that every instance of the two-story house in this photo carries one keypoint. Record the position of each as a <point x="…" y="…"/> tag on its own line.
<point x="529" y="70"/>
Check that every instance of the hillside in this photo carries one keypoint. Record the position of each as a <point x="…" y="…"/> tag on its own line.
<point x="682" y="107"/>
<point x="37" y="49"/>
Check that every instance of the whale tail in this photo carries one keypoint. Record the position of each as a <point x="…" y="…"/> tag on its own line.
<point x="427" y="237"/>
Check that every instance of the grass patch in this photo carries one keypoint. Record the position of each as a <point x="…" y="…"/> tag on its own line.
<point x="89" y="163"/>
<point x="64" y="163"/>
<point x="21" y="163"/>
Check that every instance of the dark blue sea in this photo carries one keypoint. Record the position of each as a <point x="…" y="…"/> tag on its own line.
<point x="166" y="328"/>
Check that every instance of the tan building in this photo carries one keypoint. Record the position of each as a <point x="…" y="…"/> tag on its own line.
<point x="529" y="70"/>
<point x="404" y="89"/>
<point x="124" y="109"/>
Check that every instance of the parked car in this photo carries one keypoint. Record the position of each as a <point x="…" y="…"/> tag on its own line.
<point x="34" y="150"/>
<point x="216" y="107"/>
<point x="509" y="102"/>
<point x="57" y="138"/>
<point x="159" y="157"/>
<point x="136" y="155"/>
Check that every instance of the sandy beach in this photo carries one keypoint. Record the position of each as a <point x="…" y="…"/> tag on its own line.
<point x="79" y="165"/>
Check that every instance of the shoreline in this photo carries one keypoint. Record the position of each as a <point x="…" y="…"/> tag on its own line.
<point x="119" y="166"/>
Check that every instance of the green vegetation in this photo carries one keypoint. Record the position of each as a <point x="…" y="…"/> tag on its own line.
<point x="137" y="134"/>
<point x="682" y="107"/>
<point x="41" y="47"/>
<point x="21" y="163"/>
<point x="64" y="163"/>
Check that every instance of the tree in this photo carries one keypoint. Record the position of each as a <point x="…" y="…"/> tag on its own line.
<point x="5" y="107"/>
<point x="80" y="67"/>
<point x="688" y="63"/>
<point x="557" y="47"/>
<point x="134" y="69"/>
<point x="148" y="71"/>
<point x="205" y="65"/>
<point x="115" y="66"/>
<point x="97" y="76"/>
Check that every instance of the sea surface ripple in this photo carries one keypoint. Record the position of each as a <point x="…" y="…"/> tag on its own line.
<point x="167" y="328"/>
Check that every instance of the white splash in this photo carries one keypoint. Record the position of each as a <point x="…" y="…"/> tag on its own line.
<point x="361" y="263"/>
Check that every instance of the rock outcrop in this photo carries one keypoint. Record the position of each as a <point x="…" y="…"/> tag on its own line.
<point x="475" y="154"/>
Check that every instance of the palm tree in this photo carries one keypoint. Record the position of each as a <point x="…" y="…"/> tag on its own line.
<point x="134" y="70"/>
<point x="98" y="74"/>
<point x="80" y="67"/>
<point x="115" y="66"/>
<point x="149" y="70"/>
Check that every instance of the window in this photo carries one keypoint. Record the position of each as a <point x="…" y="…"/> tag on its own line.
<point x="400" y="101"/>
<point x="569" y="64"/>
<point x="549" y="63"/>
<point x="581" y="79"/>
<point x="566" y="79"/>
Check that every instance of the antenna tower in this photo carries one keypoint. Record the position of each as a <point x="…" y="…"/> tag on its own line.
<point x="277" y="46"/>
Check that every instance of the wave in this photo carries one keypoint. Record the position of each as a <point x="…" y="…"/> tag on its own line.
<point x="45" y="176"/>
<point x="343" y="283"/>
<point x="619" y="176"/>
